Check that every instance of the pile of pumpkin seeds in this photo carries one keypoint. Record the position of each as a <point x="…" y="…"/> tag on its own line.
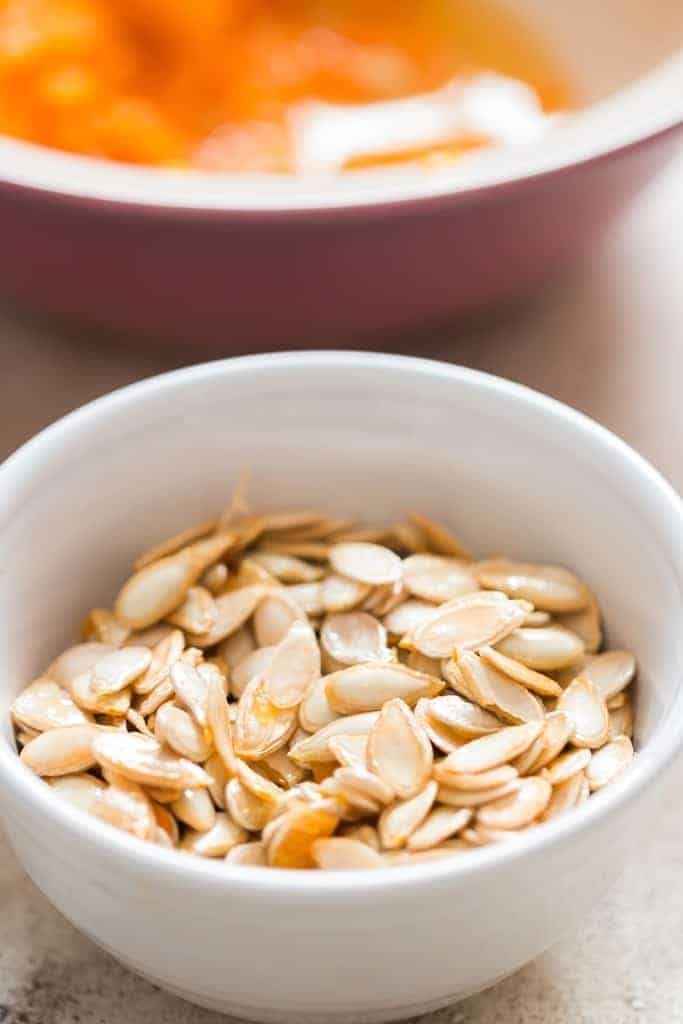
<point x="292" y="690"/>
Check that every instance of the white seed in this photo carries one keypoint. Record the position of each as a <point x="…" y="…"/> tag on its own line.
<point x="399" y="750"/>
<point x="232" y="611"/>
<point x="75" y="661"/>
<point x="366" y="563"/>
<point x="607" y="764"/>
<point x="440" y="824"/>
<point x="316" y="711"/>
<point x="261" y="728"/>
<point x="78" y="790"/>
<point x="474" y="797"/>
<point x="294" y="667"/>
<point x="138" y="721"/>
<point x="621" y="722"/>
<point x="149" y="704"/>
<point x="144" y="760"/>
<point x="542" y="685"/>
<point x="236" y="647"/>
<point x="556" y="734"/>
<point x="119" y="669"/>
<point x="287" y="568"/>
<point x="218" y="776"/>
<point x="218" y="723"/>
<point x="315" y="749"/>
<point x="258" y="784"/>
<point x="255" y="665"/>
<point x="291" y="843"/>
<point x="180" y="731"/>
<point x="519" y="808"/>
<point x="198" y="612"/>
<point x="468" y="622"/>
<point x="565" y="796"/>
<point x="443" y="738"/>
<point x="497" y="692"/>
<point x="340" y="594"/>
<point x="343" y="854"/>
<point x="611" y="672"/>
<point x="535" y="619"/>
<point x="218" y="841"/>
<point x="87" y="697"/>
<point x="308" y="596"/>
<point x="586" y="623"/>
<point x="126" y="806"/>
<point x="369" y="687"/>
<point x="164" y="655"/>
<point x="548" y="587"/>
<point x="408" y="616"/>
<point x="350" y="751"/>
<point x="351" y="638"/>
<point x="566" y="765"/>
<point x="274" y="617"/>
<point x="438" y="579"/>
<point x="544" y="649"/>
<point x="175" y="543"/>
<point x="251" y="855"/>
<point x="584" y="704"/>
<point x="465" y="719"/>
<point x="160" y="587"/>
<point x="46" y="705"/>
<point x="100" y="625"/>
<point x="490" y="751"/>
<point x="215" y="579"/>
<point x="398" y="821"/>
<point x="359" y="779"/>
<point x="286" y="772"/>
<point x="191" y="690"/>
<point x="474" y="782"/>
<point x="246" y="809"/>
<point x="195" y="808"/>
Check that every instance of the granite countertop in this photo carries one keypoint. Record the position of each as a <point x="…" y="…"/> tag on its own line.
<point x="607" y="339"/>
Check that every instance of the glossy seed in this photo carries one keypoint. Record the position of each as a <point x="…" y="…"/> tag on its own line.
<point x="549" y="587"/>
<point x="467" y="623"/>
<point x="440" y="824"/>
<point x="294" y="667"/>
<point x="126" y="806"/>
<point x="586" y="623"/>
<point x="87" y="697"/>
<point x="144" y="760"/>
<point x="198" y="613"/>
<point x="218" y="841"/>
<point x="119" y="669"/>
<point x="46" y="705"/>
<point x="556" y="734"/>
<point x="466" y="720"/>
<point x="544" y="649"/>
<point x="292" y="842"/>
<point x="251" y="854"/>
<point x="474" y="782"/>
<point x="61" y="751"/>
<point x="78" y="790"/>
<point x="316" y="711"/>
<point x="399" y="750"/>
<point x="398" y="821"/>
<point x="474" y="797"/>
<point x="219" y="726"/>
<point x="366" y="563"/>
<point x="182" y="733"/>
<point x="408" y="616"/>
<point x="245" y="808"/>
<point x="440" y="539"/>
<point x="566" y="765"/>
<point x="443" y="738"/>
<point x="350" y="751"/>
<point x="344" y="854"/>
<point x="608" y="763"/>
<point x="352" y="638"/>
<point x="497" y="692"/>
<point x="195" y="808"/>
<point x="519" y="808"/>
<point x="584" y="704"/>
<point x="491" y="751"/>
<point x="260" y="728"/>
<point x="611" y="672"/>
<point x="175" y="543"/>
<point x="438" y="579"/>
<point x="340" y="594"/>
<point x="287" y="568"/>
<point x="160" y="587"/>
<point x="75" y="661"/>
<point x="233" y="609"/>
<point x="164" y="654"/>
<point x="368" y="687"/>
<point x="621" y="721"/>
<point x="542" y="685"/>
<point x="274" y="617"/>
<point x="565" y="795"/>
<point x="315" y="749"/>
<point x="255" y="665"/>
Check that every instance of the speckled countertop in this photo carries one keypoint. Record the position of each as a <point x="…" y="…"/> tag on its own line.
<point x="608" y="339"/>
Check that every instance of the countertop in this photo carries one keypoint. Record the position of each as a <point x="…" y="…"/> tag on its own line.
<point x="607" y="339"/>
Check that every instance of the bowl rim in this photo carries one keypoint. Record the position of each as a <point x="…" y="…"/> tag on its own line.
<point x="641" y="111"/>
<point x="41" y="451"/>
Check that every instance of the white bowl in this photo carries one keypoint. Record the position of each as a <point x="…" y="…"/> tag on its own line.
<point x="370" y="434"/>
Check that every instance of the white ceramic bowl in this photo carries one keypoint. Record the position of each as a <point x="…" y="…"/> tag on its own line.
<point x="512" y="471"/>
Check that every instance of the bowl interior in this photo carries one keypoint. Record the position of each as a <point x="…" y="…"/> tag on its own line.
<point x="366" y="436"/>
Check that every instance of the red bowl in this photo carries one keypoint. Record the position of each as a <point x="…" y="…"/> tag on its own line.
<point x="248" y="262"/>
